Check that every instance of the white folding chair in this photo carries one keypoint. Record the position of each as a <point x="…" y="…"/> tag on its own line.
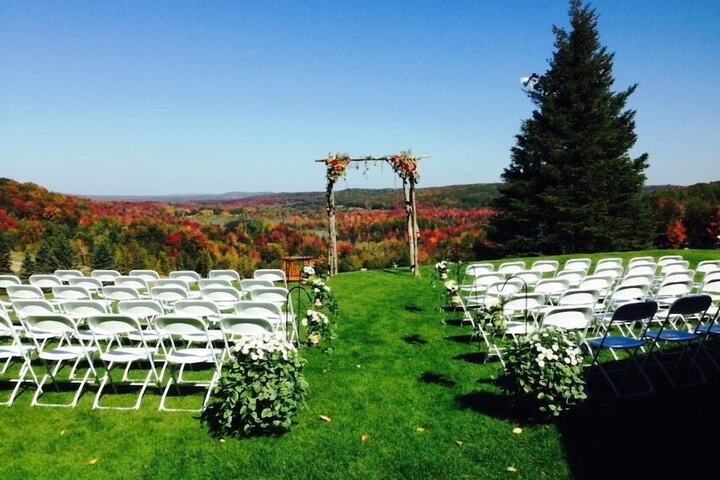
<point x="665" y="259"/>
<point x="578" y="264"/>
<point x="13" y="351"/>
<point x="552" y="288"/>
<point x="546" y="267"/>
<point x="135" y="282"/>
<point x="268" y="310"/>
<point x="66" y="275"/>
<point x="577" y="319"/>
<point x="607" y="263"/>
<point x="530" y="277"/>
<point x="480" y="282"/>
<point x="229" y="275"/>
<point x="105" y="276"/>
<point x="475" y="269"/>
<point x="574" y="277"/>
<point x="676" y="266"/>
<point x="511" y="268"/>
<point x="198" y="308"/>
<point x="280" y="297"/>
<point x="115" y="293"/>
<point x="24" y="292"/>
<point x="108" y="331"/>
<point x="167" y="296"/>
<point x="66" y="293"/>
<point x="144" y="311"/>
<point x="190" y="277"/>
<point x="598" y="282"/>
<point x="525" y="306"/>
<point x="148" y="275"/>
<point x="69" y="348"/>
<point x="9" y="281"/>
<point x="214" y="282"/>
<point x="178" y="358"/>
<point x="639" y="260"/>
<point x="91" y="284"/>
<point x="274" y="275"/>
<point x="44" y="281"/>
<point x="237" y="328"/>
<point x="224" y="297"/>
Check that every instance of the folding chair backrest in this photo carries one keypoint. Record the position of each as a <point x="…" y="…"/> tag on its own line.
<point x="9" y="280"/>
<point x="168" y="294"/>
<point x="505" y="288"/>
<point x="642" y="269"/>
<point x="147" y="275"/>
<point x="214" y="282"/>
<point x="665" y="259"/>
<point x="24" y="292"/>
<point x="604" y="263"/>
<point x="676" y="266"/>
<point x="521" y="302"/>
<point x="248" y="285"/>
<point x="675" y="289"/>
<point x="188" y="275"/>
<point x="134" y="282"/>
<point x="180" y="325"/>
<point x="26" y="308"/>
<point x="71" y="292"/>
<point x="140" y="309"/>
<point x="116" y="293"/>
<point x="65" y="275"/>
<point x="55" y="324"/>
<point x="545" y="266"/>
<point x="92" y="284"/>
<point x="105" y="276"/>
<point x="531" y="277"/>
<point x="84" y="308"/>
<point x="690" y="305"/>
<point x="196" y="308"/>
<point x="271" y="274"/>
<point x="488" y="279"/>
<point x="707" y="266"/>
<point x="171" y="282"/>
<point x="229" y="275"/>
<point x="7" y="327"/>
<point x="475" y="269"/>
<point x="277" y="295"/>
<point x="572" y="276"/>
<point x="44" y="281"/>
<point x="244" y="326"/>
<point x="632" y="292"/>
<point x="579" y="297"/>
<point x="568" y="315"/>
<point x="552" y="286"/>
<point x="221" y="294"/>
<point x="679" y="276"/>
<point x="634" y="312"/>
<point x="609" y="271"/>
<point x="251" y="309"/>
<point x="596" y="283"/>
<point x="636" y="260"/>
<point x="511" y="268"/>
<point x="582" y="264"/>
<point x="113" y="324"/>
<point x="710" y="276"/>
<point x="634" y="280"/>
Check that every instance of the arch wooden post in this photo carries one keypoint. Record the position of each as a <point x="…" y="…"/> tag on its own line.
<point x="332" y="232"/>
<point x="414" y="232"/>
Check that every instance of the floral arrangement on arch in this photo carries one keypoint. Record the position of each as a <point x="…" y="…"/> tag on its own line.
<point x="405" y="165"/>
<point x="336" y="166"/>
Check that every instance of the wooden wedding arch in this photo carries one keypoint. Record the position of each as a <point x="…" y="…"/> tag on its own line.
<point x="405" y="165"/>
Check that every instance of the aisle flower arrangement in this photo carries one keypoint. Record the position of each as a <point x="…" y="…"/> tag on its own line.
<point x="318" y="327"/>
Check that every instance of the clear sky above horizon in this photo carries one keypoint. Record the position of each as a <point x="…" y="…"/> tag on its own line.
<point x="207" y="97"/>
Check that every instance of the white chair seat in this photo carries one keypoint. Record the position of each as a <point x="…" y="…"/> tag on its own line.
<point x="66" y="353"/>
<point x="10" y="351"/>
<point x="192" y="355"/>
<point x="215" y="336"/>
<point x="148" y="335"/>
<point x="519" y="328"/>
<point x="40" y="335"/>
<point x="126" y="354"/>
<point x="567" y="324"/>
<point x="87" y="336"/>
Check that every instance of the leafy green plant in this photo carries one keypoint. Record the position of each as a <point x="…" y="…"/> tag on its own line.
<point x="318" y="327"/>
<point x="543" y="371"/>
<point x="492" y="319"/>
<point x="261" y="390"/>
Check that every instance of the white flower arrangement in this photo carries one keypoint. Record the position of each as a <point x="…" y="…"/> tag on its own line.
<point x="318" y="326"/>
<point x="441" y="267"/>
<point x="261" y="346"/>
<point x="307" y="272"/>
<point x="452" y="288"/>
<point x="314" y="318"/>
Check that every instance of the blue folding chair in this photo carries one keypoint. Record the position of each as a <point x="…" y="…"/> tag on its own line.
<point x="687" y="309"/>
<point x="624" y="316"/>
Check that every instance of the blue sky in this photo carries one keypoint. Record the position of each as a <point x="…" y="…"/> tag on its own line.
<point x="178" y="97"/>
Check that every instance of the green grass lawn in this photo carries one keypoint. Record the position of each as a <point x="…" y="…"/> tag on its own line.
<point x="418" y="389"/>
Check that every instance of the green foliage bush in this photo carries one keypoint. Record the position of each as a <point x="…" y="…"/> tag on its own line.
<point x="544" y="372"/>
<point x="261" y="390"/>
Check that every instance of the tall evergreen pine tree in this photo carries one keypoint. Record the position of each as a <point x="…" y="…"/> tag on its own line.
<point x="571" y="185"/>
<point x="102" y="258"/>
<point x="28" y="266"/>
<point x="5" y="260"/>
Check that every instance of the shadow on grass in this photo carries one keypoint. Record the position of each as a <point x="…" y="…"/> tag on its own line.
<point x="415" y="339"/>
<point x="439" y="379"/>
<point x="404" y="271"/>
<point x="453" y="322"/>
<point x="466" y="339"/>
<point x="472" y="357"/>
<point x="414" y="309"/>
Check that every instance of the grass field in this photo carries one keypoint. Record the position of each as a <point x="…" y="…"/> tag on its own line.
<point x="418" y="389"/>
